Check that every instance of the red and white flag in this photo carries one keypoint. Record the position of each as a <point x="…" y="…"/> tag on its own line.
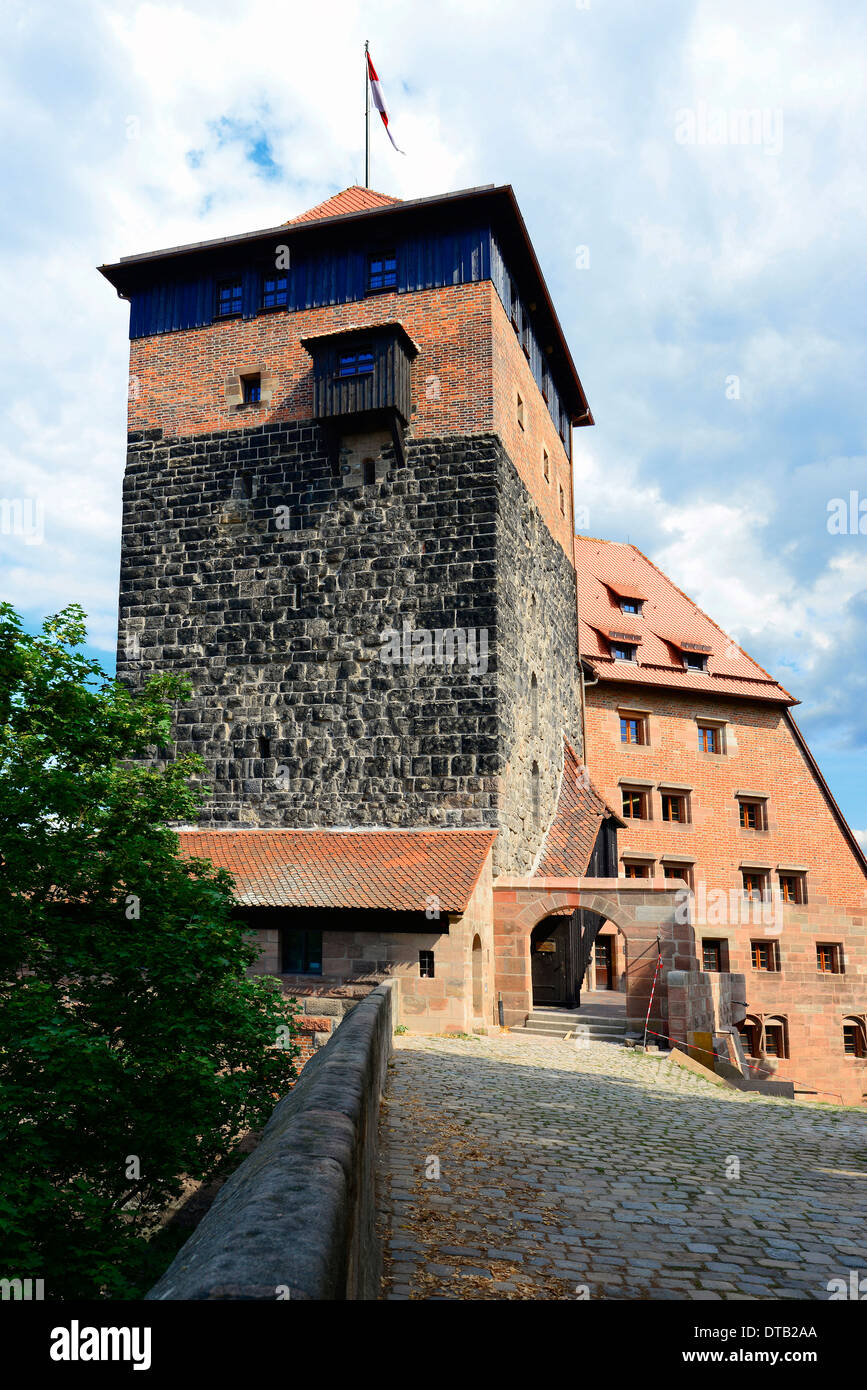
<point x="379" y="99"/>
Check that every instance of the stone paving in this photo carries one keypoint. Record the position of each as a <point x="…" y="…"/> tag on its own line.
<point x="593" y="1171"/>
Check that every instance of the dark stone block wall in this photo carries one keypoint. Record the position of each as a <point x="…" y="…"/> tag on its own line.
<point x="253" y="565"/>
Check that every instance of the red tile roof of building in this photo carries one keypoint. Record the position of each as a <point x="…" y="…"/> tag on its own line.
<point x="353" y="199"/>
<point x="568" y="845"/>
<point x="668" y="623"/>
<point x="395" y="870"/>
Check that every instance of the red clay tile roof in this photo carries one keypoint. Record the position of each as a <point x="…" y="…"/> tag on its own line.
<point x="609" y="570"/>
<point x="354" y="199"/>
<point x="572" y="833"/>
<point x="397" y="870"/>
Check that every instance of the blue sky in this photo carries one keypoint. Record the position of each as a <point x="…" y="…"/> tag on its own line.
<point x="707" y="263"/>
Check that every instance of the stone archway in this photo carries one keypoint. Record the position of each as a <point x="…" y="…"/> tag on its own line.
<point x="645" y="916"/>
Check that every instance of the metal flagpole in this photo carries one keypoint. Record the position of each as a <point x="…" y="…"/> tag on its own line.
<point x="366" y="118"/>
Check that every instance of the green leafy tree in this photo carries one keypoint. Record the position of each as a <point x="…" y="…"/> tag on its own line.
<point x="134" y="1047"/>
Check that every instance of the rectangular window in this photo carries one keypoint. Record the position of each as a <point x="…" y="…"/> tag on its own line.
<point x="751" y="814"/>
<point x="679" y="871"/>
<point x="252" y="386"/>
<point x="229" y="298"/>
<point x="765" y="955"/>
<point x="713" y="954"/>
<point x="775" y="1040"/>
<point x="674" y="808"/>
<point x="793" y="888"/>
<point x="301" y="951"/>
<point x="631" y="605"/>
<point x="632" y="870"/>
<point x="635" y="804"/>
<point x="622" y="651"/>
<point x="382" y="271"/>
<point x="750" y="1038"/>
<point x="694" y="661"/>
<point x="633" y="729"/>
<point x="275" y="291"/>
<point x="829" y="958"/>
<point x="853" y="1039"/>
<point x="755" y="884"/>
<point x="710" y="738"/>
<point x="426" y="965"/>
<point x="358" y="363"/>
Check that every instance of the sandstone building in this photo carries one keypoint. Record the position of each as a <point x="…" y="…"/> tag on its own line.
<point x="348" y="520"/>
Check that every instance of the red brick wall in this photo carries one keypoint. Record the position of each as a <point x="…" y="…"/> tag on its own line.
<point x="762" y="756"/>
<point x="466" y="378"/>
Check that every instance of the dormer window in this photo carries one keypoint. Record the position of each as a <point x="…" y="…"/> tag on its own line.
<point x="275" y="291"/>
<point x="357" y="363"/>
<point x="229" y="297"/>
<point x="694" y="661"/>
<point x="631" y="605"/>
<point x="381" y="271"/>
<point x="624" y="651"/>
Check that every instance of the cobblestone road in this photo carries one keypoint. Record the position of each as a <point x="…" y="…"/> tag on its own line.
<point x="597" y="1172"/>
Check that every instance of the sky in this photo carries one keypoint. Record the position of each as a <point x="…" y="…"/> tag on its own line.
<point x="693" y="179"/>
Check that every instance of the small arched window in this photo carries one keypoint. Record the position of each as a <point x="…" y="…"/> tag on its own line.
<point x="534" y="704"/>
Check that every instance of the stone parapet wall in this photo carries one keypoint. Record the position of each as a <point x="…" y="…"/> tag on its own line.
<point x="296" y="1219"/>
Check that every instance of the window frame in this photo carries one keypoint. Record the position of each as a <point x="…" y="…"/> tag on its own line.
<point x="275" y="276"/>
<point x="718" y="732"/>
<point x="362" y="350"/>
<point x="835" y="951"/>
<point x="800" y="882"/>
<point x="644" y="864"/>
<point x="722" y="954"/>
<point x="673" y="794"/>
<point x="642" y="739"/>
<point x="617" y="647"/>
<point x="306" y="953"/>
<point x="248" y="388"/>
<point x="426" y="964"/>
<point x="773" y="952"/>
<point x="383" y="256"/>
<point x="233" y="281"/>
<point x="642" y="795"/>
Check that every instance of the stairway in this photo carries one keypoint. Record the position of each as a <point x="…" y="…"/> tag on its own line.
<point x="571" y="1023"/>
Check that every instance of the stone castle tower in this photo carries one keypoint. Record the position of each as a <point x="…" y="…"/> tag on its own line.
<point x="348" y="517"/>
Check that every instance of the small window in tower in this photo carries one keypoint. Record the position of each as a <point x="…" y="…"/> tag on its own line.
<point x="264" y="746"/>
<point x="546" y="466"/>
<point x="252" y="386"/>
<point x="229" y="298"/>
<point x="357" y="363"/>
<point x="520" y="411"/>
<point x="426" y="965"/>
<point x="536" y="793"/>
<point x="534" y="704"/>
<point x="368" y="470"/>
<point x="562" y="500"/>
<point x="381" y="271"/>
<point x="275" y="291"/>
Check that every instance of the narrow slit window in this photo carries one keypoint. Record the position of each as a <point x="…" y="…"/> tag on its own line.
<point x="426" y="965"/>
<point x="368" y="471"/>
